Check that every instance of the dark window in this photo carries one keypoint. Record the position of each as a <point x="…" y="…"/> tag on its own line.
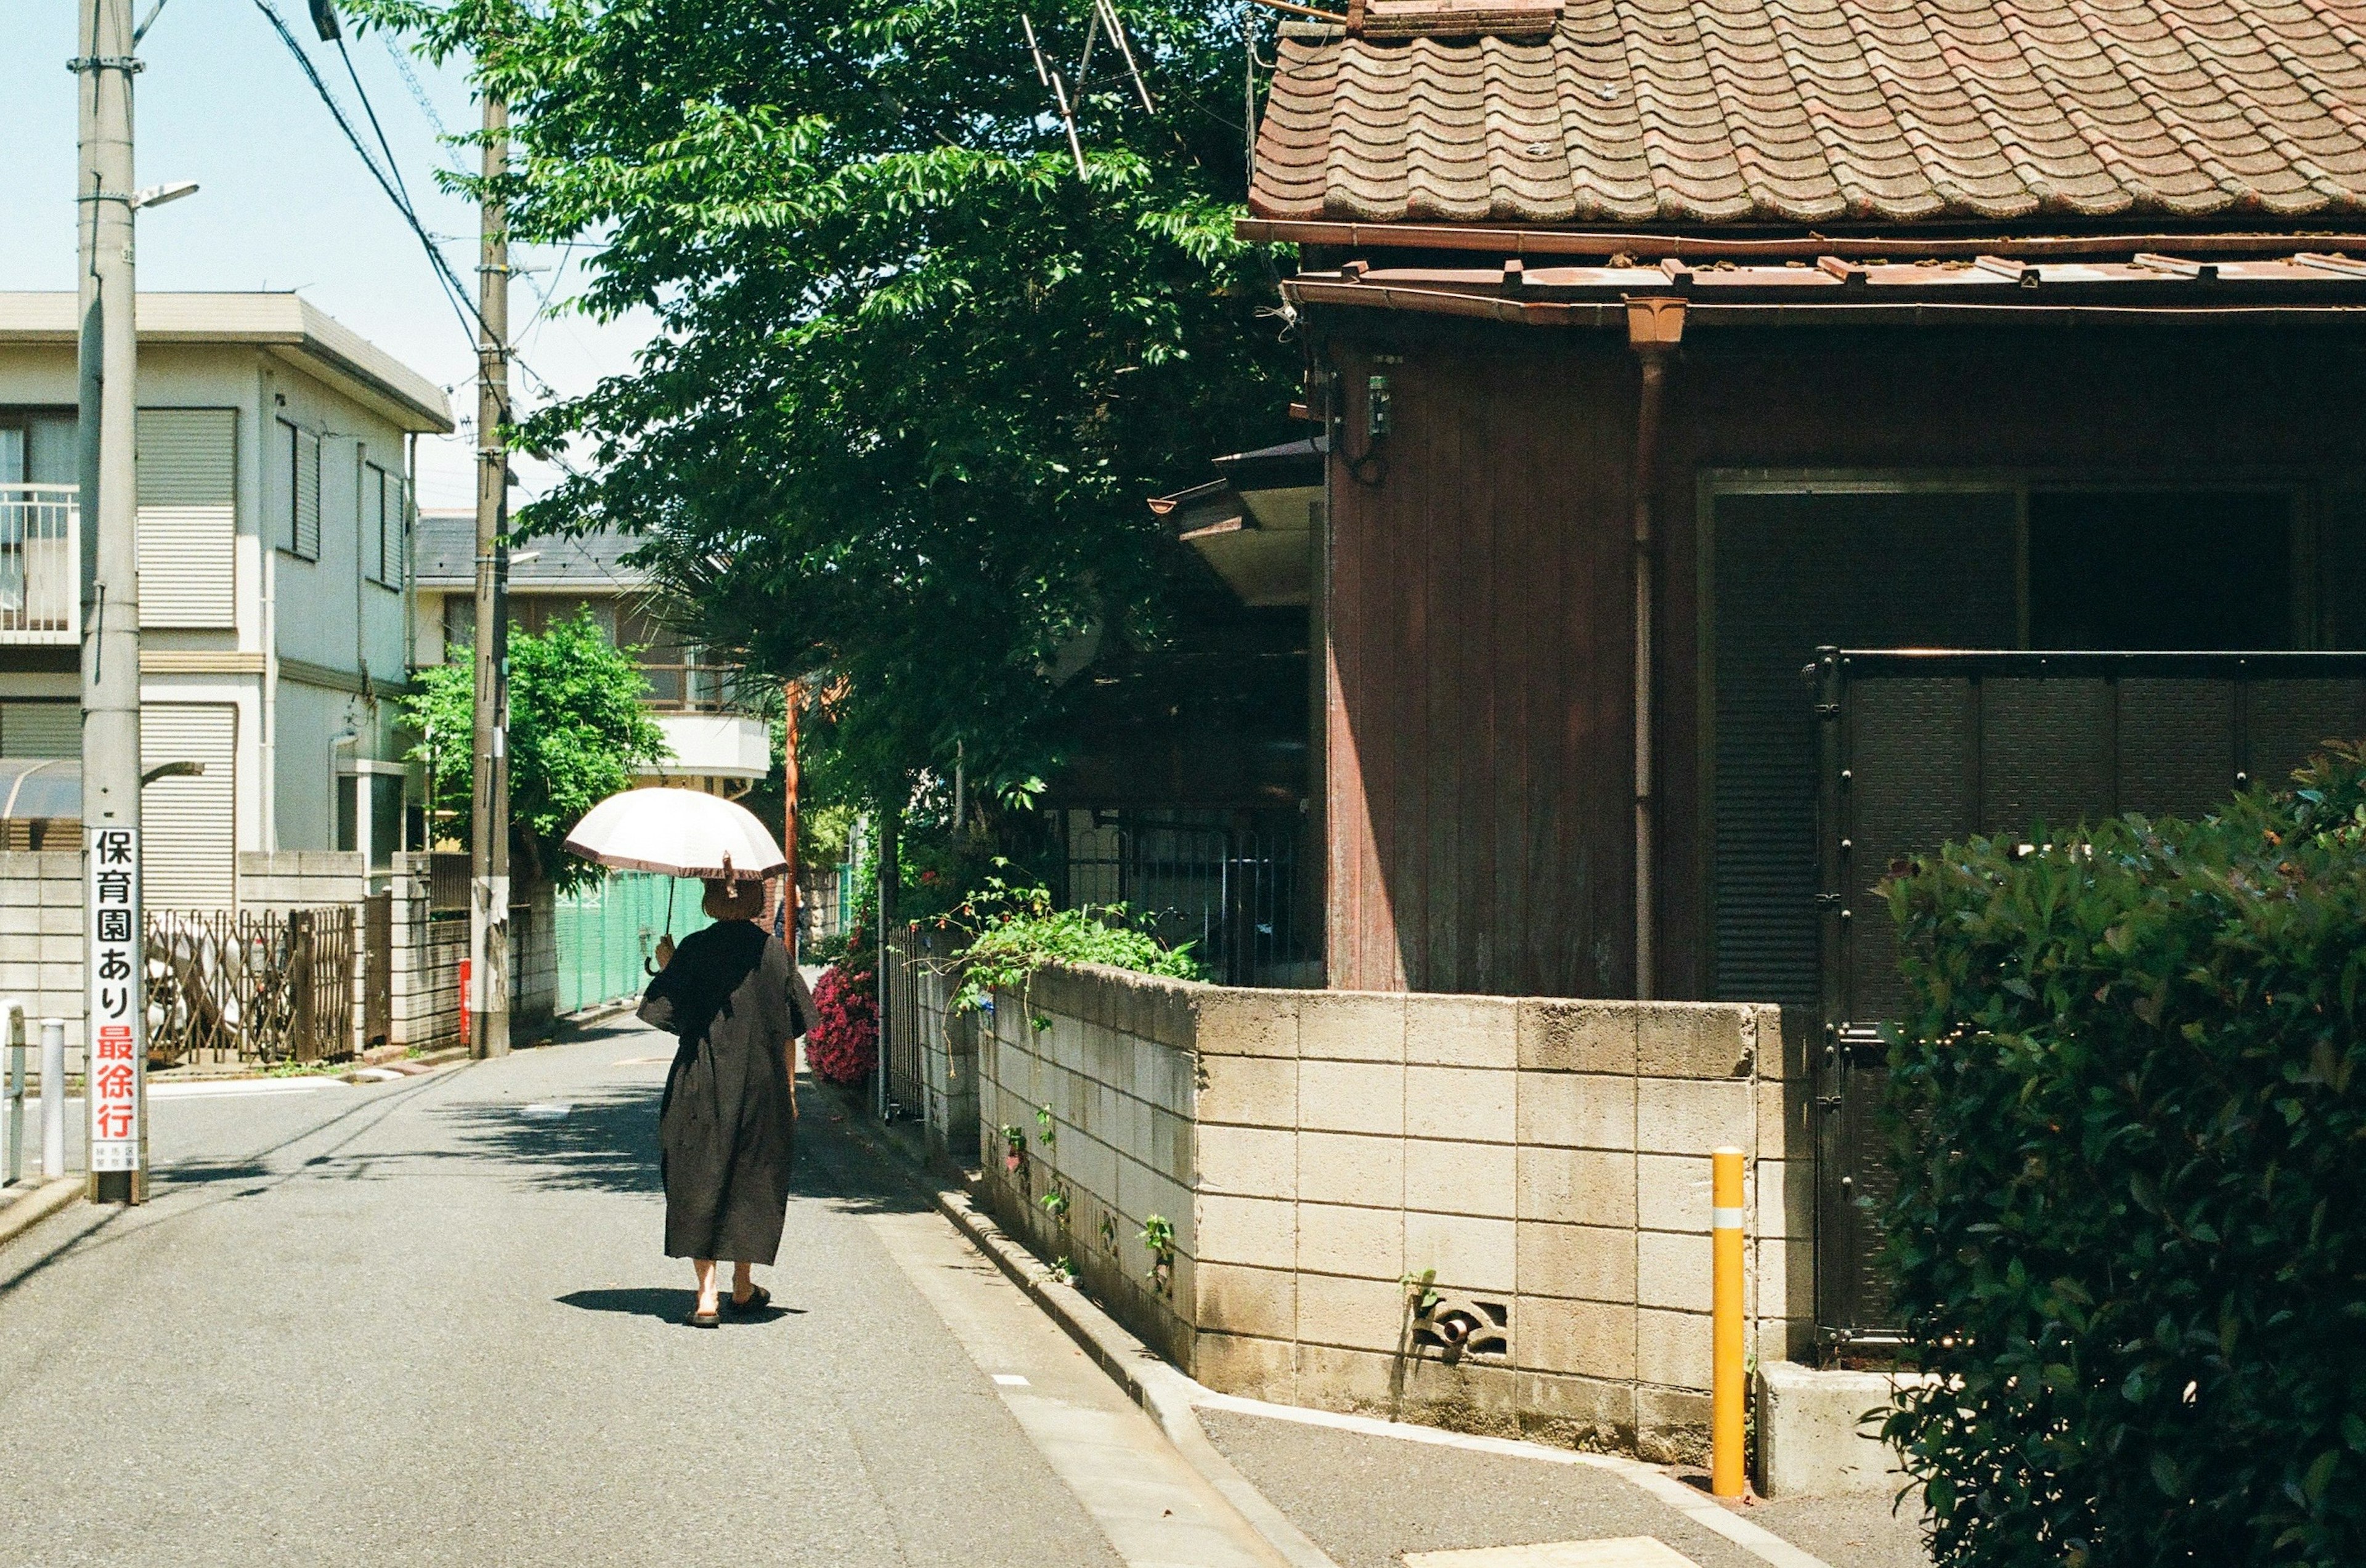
<point x="1795" y="572"/>
<point x="2160" y="571"/>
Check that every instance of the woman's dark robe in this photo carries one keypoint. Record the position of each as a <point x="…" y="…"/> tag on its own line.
<point x="727" y="1130"/>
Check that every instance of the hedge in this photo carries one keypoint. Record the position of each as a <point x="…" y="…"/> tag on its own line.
<point x="2130" y="1229"/>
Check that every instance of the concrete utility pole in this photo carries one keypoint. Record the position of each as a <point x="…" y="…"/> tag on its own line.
<point x="488" y="842"/>
<point x="116" y="1036"/>
<point x="792" y="697"/>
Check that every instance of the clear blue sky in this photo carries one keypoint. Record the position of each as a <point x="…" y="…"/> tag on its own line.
<point x="285" y="203"/>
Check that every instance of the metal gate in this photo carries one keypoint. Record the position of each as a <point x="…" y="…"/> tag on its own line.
<point x="252" y="986"/>
<point x="1920" y="749"/>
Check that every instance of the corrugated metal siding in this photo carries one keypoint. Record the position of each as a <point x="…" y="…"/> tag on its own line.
<point x="40" y="729"/>
<point x="191" y="849"/>
<point x="1795" y="572"/>
<point x="188" y="489"/>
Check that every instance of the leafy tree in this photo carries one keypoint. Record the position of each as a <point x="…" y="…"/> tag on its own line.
<point x="578" y="734"/>
<point x="915" y="373"/>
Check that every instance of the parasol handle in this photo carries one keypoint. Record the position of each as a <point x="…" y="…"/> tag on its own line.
<point x="665" y="944"/>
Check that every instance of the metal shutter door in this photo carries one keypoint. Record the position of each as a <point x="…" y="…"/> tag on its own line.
<point x="1794" y="573"/>
<point x="190" y="851"/>
<point x="187" y="518"/>
<point x="40" y="729"/>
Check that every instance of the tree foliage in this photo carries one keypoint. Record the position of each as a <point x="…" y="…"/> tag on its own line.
<point x="2127" y="1235"/>
<point x="915" y="375"/>
<point x="578" y="734"/>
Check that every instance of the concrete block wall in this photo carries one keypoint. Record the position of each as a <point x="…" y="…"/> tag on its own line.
<point x="1547" y="1159"/>
<point x="534" y="959"/>
<point x="948" y="1071"/>
<point x="1115" y="1072"/>
<point x="41" y="942"/>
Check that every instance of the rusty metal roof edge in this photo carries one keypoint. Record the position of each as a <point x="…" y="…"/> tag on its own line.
<point x="1612" y="312"/>
<point x="1649" y="245"/>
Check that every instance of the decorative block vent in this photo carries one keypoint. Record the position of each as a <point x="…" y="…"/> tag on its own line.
<point x="1456" y="1327"/>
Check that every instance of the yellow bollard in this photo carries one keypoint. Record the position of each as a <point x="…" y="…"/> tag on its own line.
<point x="1727" y="1477"/>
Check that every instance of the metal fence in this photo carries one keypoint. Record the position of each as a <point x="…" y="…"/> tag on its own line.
<point x="1226" y="881"/>
<point x="256" y="986"/>
<point x="1920" y="749"/>
<point x="608" y="934"/>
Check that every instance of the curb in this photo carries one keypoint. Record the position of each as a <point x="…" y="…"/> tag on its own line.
<point x="1162" y="1392"/>
<point x="38" y="1205"/>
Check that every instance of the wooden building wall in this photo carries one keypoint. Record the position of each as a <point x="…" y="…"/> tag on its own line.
<point x="1478" y="719"/>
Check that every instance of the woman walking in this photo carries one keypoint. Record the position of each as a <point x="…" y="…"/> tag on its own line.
<point x="727" y="1129"/>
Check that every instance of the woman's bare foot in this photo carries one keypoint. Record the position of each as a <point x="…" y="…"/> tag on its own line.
<point x="743" y="1283"/>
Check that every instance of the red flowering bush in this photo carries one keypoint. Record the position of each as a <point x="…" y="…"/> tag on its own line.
<point x="843" y="1045"/>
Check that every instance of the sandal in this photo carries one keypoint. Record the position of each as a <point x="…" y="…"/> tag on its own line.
<point x="698" y="1319"/>
<point x="758" y="1300"/>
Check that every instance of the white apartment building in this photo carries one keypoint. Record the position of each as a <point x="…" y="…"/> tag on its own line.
<point x="714" y="747"/>
<point x="275" y="514"/>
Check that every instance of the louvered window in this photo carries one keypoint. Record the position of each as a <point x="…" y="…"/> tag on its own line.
<point x="40" y="729"/>
<point x="383" y="514"/>
<point x="187" y="528"/>
<point x="302" y="538"/>
<point x="191" y="853"/>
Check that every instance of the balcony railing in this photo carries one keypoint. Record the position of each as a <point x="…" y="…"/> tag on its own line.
<point x="40" y="565"/>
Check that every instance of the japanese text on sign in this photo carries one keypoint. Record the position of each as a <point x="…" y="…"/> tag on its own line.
<point x="115" y="999"/>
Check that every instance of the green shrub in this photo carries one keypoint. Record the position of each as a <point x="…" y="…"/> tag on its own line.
<point x="1019" y="931"/>
<point x="2130" y="1233"/>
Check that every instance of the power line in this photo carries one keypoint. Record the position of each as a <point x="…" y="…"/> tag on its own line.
<point x="453" y="291"/>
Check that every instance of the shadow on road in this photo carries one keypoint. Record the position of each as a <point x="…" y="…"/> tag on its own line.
<point x="649" y="1301"/>
<point x="607" y="1142"/>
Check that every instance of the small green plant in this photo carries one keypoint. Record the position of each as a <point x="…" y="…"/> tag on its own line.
<point x="1158" y="1235"/>
<point x="1018" y="932"/>
<point x="1014" y="1146"/>
<point x="1048" y="1132"/>
<point x="1064" y="1270"/>
<point x="1108" y="1233"/>
<point x="1420" y="1299"/>
<point x="1056" y="1203"/>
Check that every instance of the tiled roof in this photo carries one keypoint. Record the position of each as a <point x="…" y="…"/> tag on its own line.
<point x="1639" y="113"/>
<point x="444" y="555"/>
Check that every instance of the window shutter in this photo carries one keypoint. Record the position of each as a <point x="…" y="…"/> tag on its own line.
<point x="191" y="853"/>
<point x="187" y="527"/>
<point x="374" y="521"/>
<point x="304" y="493"/>
<point x="40" y="729"/>
<point x="398" y="523"/>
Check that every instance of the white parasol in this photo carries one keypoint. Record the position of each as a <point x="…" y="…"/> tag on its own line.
<point x="678" y="832"/>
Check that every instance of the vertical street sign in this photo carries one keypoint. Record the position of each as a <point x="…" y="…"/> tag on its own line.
<point x="118" y="1057"/>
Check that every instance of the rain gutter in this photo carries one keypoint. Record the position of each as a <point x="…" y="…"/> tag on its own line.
<point x="1655" y="325"/>
<point x="1517" y="241"/>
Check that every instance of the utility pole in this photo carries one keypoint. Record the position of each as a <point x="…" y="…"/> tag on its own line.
<point x="488" y="842"/>
<point x="792" y="698"/>
<point x="115" y="1040"/>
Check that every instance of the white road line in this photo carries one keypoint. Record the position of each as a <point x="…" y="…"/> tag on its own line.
<point x="237" y="1087"/>
<point x="1695" y="1505"/>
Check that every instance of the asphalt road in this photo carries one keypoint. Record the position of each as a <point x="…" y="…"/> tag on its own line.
<point x="410" y="1323"/>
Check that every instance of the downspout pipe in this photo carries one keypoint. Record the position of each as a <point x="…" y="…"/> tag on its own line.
<point x="1655" y="325"/>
